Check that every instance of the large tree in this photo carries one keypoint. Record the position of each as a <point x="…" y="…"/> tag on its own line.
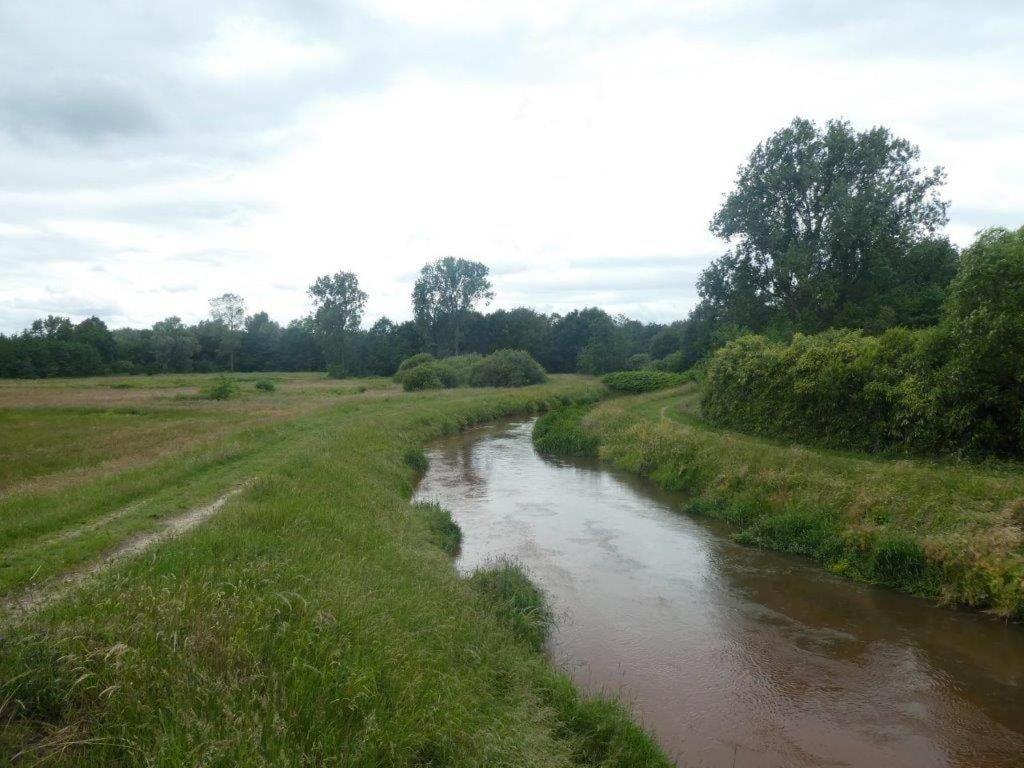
<point x="444" y="295"/>
<point x="228" y="311"/>
<point x="338" y="311"/>
<point x="821" y="222"/>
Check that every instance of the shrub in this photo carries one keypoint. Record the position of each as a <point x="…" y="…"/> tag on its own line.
<point x="457" y="371"/>
<point x="507" y="368"/>
<point x="518" y="602"/>
<point x="839" y="388"/>
<point x="222" y="388"/>
<point x="265" y="385"/>
<point x="444" y="531"/>
<point x="412" y="362"/>
<point x="675" y="362"/>
<point x="421" y="377"/>
<point x="560" y="433"/>
<point x="636" y="382"/>
<point x="336" y="371"/>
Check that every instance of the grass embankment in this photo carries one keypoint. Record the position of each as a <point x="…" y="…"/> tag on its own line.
<point x="943" y="529"/>
<point x="313" y="621"/>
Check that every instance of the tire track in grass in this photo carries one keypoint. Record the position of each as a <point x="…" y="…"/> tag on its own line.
<point x="45" y="594"/>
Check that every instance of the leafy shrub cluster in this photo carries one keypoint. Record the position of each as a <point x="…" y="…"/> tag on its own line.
<point x="504" y="368"/>
<point x="956" y="387"/>
<point x="265" y="385"/>
<point x="636" y="382"/>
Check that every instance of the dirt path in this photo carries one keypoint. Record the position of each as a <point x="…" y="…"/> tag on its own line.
<point x="37" y="597"/>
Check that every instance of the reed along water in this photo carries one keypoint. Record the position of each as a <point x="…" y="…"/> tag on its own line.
<point x="730" y="655"/>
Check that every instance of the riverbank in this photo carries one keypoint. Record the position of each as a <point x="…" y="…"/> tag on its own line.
<point x="950" y="531"/>
<point x="312" y="620"/>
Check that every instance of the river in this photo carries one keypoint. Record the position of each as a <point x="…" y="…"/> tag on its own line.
<point x="732" y="656"/>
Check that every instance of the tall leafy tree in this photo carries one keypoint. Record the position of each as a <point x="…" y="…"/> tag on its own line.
<point x="821" y="220"/>
<point x="228" y="310"/>
<point x="338" y="310"/>
<point x="445" y="294"/>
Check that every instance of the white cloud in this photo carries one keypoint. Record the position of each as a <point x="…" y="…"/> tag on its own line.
<point x="252" y="47"/>
<point x="583" y="166"/>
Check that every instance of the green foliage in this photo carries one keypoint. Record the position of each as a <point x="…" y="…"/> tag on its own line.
<point x="504" y="368"/>
<point x="409" y="363"/>
<point x="222" y="388"/>
<point x="984" y="317"/>
<point x="559" y="432"/>
<point x="507" y="368"/>
<point x="828" y="226"/>
<point x="422" y="377"/>
<point x="265" y="385"/>
<point x="444" y="531"/>
<point x="957" y="387"/>
<point x="517" y="601"/>
<point x="443" y="297"/>
<point x="636" y="382"/>
<point x="337" y="371"/>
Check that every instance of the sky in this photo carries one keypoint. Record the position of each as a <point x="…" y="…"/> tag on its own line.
<point x="153" y="155"/>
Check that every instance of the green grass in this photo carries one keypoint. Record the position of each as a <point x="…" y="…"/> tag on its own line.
<point x="444" y="531"/>
<point x="516" y="600"/>
<point x="559" y="433"/>
<point x="312" y="621"/>
<point x="944" y="529"/>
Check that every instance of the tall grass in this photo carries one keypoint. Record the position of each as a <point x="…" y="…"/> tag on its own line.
<point x="946" y="530"/>
<point x="311" y="622"/>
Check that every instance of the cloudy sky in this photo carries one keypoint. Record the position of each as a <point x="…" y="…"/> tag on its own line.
<point x="153" y="155"/>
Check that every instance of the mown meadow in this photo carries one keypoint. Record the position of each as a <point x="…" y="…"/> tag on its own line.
<point x="316" y="619"/>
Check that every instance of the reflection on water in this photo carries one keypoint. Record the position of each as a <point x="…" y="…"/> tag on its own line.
<point x="732" y="656"/>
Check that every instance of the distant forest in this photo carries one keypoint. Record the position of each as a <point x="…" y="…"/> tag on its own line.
<point x="825" y="228"/>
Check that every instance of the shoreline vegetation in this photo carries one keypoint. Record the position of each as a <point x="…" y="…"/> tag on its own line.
<point x="316" y="619"/>
<point x="940" y="528"/>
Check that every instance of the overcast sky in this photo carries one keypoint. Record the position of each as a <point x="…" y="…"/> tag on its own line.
<point x="153" y="155"/>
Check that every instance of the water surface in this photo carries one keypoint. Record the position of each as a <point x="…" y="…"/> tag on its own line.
<point x="731" y="655"/>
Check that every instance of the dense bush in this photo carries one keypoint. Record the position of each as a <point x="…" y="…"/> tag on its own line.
<point x="420" y="377"/>
<point x="504" y="368"/>
<point x="642" y="381"/>
<point x="957" y="387"/>
<point x="412" y="362"/>
<point x="507" y="368"/>
<point x="265" y="385"/>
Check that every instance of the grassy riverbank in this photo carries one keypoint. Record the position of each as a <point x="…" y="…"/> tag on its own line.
<point x="943" y="529"/>
<point x="314" y="620"/>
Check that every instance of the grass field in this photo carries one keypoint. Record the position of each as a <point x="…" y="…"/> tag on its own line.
<point x="946" y="529"/>
<point x="313" y="620"/>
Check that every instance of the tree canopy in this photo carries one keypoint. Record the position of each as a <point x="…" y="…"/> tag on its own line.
<point x="827" y="226"/>
<point x="445" y="292"/>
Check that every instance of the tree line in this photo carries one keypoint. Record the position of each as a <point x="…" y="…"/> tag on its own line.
<point x="826" y="227"/>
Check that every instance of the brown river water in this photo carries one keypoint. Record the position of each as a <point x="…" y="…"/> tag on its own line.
<point x="732" y="656"/>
